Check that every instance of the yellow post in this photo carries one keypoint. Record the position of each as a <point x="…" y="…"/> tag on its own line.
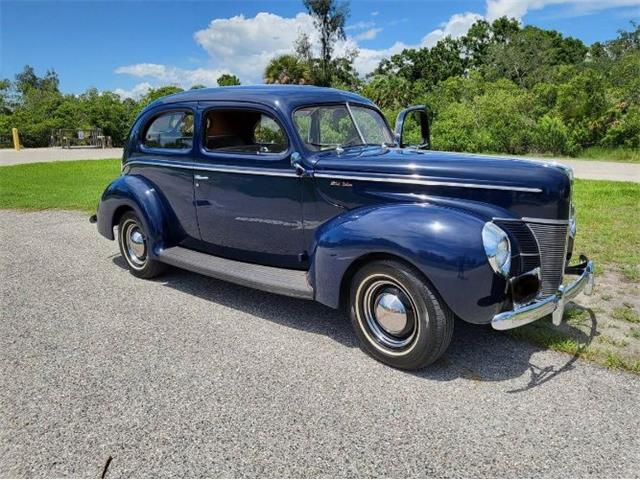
<point x="16" y="139"/>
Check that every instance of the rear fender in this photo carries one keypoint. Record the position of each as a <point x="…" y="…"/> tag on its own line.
<point x="444" y="244"/>
<point x="138" y="194"/>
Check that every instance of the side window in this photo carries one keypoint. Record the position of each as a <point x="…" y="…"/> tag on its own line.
<point x="372" y="125"/>
<point x="172" y="130"/>
<point x="243" y="131"/>
<point x="411" y="133"/>
<point x="325" y="127"/>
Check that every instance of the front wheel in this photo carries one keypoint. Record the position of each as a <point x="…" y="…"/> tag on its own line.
<point x="397" y="317"/>
<point x="134" y="247"/>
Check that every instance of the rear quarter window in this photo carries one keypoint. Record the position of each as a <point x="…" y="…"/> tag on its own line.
<point x="170" y="130"/>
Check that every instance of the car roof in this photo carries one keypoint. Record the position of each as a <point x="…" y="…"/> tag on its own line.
<point x="281" y="97"/>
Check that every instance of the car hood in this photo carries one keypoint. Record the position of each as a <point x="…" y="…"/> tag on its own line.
<point x="523" y="187"/>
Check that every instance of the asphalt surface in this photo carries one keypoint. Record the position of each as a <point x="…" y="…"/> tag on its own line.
<point x="9" y="156"/>
<point x="188" y="376"/>
<point x="586" y="169"/>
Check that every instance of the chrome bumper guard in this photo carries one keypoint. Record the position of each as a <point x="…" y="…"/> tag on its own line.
<point x="553" y="304"/>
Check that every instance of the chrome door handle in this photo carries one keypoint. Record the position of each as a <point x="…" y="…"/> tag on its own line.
<point x="200" y="177"/>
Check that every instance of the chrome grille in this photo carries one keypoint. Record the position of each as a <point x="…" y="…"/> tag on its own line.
<point x="528" y="258"/>
<point x="552" y="243"/>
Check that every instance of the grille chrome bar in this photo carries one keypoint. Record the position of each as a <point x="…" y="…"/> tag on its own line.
<point x="552" y="245"/>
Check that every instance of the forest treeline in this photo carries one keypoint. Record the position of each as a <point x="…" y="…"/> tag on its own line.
<point x="502" y="87"/>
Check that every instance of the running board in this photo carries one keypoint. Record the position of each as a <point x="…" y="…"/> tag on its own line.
<point x="283" y="281"/>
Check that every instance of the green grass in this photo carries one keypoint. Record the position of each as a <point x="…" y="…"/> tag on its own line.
<point x="609" y="223"/>
<point x="626" y="313"/>
<point x="543" y="334"/>
<point x="75" y="185"/>
<point x="631" y="155"/>
<point x="613" y="360"/>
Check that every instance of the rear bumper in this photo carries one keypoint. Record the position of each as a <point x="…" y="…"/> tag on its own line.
<point x="553" y="304"/>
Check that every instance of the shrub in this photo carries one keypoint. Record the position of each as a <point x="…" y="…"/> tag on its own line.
<point x="550" y="135"/>
<point x="625" y="131"/>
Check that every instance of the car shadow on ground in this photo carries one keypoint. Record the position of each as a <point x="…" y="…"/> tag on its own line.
<point x="476" y="353"/>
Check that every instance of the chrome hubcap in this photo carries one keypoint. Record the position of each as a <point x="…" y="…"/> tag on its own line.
<point x="389" y="314"/>
<point x="135" y="244"/>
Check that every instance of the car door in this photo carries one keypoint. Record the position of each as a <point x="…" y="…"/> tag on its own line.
<point x="247" y="195"/>
<point x="163" y="153"/>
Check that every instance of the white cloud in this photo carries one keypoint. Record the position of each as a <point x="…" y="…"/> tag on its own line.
<point x="368" y="34"/>
<point x="368" y="59"/>
<point x="360" y="25"/>
<point x="519" y="8"/>
<point x="244" y="45"/>
<point x="375" y="13"/>
<point x="136" y="92"/>
<point x="398" y="21"/>
<point x="456" y="26"/>
<point x="173" y="75"/>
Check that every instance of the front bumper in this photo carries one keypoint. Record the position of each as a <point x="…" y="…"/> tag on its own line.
<point x="553" y="304"/>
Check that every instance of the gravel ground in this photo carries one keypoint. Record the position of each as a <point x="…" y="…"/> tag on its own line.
<point x="587" y="169"/>
<point x="188" y="376"/>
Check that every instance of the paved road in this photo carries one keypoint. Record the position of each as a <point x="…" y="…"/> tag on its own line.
<point x="587" y="169"/>
<point x="33" y="155"/>
<point x="188" y="376"/>
<point x="596" y="170"/>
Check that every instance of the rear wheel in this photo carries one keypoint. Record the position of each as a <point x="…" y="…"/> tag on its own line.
<point x="134" y="247"/>
<point x="397" y="316"/>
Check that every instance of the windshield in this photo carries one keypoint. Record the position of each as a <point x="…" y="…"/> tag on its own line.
<point x="326" y="127"/>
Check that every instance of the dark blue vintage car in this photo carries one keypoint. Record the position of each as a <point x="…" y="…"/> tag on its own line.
<point x="306" y="192"/>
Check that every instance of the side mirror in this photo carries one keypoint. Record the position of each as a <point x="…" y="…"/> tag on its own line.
<point x="296" y="163"/>
<point x="412" y="127"/>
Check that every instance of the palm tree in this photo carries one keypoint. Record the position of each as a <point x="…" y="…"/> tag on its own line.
<point x="287" y="69"/>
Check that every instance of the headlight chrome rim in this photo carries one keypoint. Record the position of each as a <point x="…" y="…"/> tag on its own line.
<point x="497" y="248"/>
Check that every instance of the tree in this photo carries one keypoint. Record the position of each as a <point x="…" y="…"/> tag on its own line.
<point x="156" y="93"/>
<point x="227" y="80"/>
<point x="287" y="69"/>
<point x="389" y="92"/>
<point x="329" y="18"/>
<point x="5" y="96"/>
<point x="197" y="86"/>
<point x="429" y="65"/>
<point x="28" y="80"/>
<point x="450" y="57"/>
<point x="530" y="55"/>
<point x="303" y="47"/>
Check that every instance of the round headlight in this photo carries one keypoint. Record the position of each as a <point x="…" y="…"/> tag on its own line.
<point x="497" y="247"/>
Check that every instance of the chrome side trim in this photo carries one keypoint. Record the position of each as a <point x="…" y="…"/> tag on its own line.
<point x="417" y="180"/>
<point x="545" y="220"/>
<point x="532" y="220"/>
<point x="553" y="304"/>
<point x="269" y="172"/>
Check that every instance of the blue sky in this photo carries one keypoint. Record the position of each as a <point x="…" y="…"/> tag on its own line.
<point x="129" y="46"/>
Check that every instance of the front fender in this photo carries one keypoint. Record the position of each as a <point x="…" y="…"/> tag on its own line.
<point x="138" y="194"/>
<point x="445" y="244"/>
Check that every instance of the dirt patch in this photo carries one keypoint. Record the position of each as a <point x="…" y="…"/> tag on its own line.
<point x="604" y="327"/>
<point x="616" y="305"/>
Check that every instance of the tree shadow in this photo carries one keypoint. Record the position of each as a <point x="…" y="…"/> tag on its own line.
<point x="476" y="352"/>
